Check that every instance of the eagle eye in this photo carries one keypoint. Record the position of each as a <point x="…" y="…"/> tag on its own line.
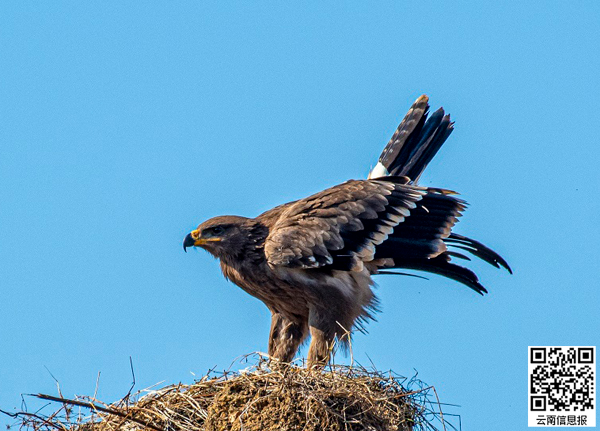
<point x="217" y="230"/>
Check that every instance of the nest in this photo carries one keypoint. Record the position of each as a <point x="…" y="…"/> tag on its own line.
<point x="282" y="397"/>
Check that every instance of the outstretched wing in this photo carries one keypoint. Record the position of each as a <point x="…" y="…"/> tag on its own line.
<point x="416" y="140"/>
<point x="408" y="153"/>
<point x="387" y="219"/>
<point x="340" y="226"/>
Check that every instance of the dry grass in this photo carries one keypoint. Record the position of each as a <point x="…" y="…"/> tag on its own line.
<point x="283" y="397"/>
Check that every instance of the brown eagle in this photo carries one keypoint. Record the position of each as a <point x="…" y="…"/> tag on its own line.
<point x="311" y="261"/>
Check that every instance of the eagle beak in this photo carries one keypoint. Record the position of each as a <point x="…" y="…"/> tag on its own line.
<point x="193" y="239"/>
<point x="188" y="242"/>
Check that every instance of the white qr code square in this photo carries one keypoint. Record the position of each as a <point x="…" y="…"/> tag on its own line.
<point x="562" y="386"/>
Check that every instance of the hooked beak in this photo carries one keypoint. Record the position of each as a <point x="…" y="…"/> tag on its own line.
<point x="193" y="239"/>
<point x="188" y="241"/>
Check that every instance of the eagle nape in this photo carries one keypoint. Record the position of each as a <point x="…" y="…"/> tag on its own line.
<point x="311" y="261"/>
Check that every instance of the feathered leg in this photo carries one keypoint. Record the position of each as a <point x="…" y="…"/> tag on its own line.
<point x="320" y="348"/>
<point x="285" y="337"/>
<point x="324" y="329"/>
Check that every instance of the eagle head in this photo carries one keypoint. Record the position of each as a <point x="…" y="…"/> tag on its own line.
<point x="221" y="236"/>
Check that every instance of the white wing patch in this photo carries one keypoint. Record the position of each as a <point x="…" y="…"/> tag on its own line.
<point x="378" y="171"/>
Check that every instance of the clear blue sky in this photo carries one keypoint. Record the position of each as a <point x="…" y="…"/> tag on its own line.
<point x="123" y="125"/>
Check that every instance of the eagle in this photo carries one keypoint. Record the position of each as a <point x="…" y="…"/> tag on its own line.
<point x="311" y="261"/>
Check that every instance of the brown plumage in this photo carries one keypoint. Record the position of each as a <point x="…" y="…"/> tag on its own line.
<point x="311" y="261"/>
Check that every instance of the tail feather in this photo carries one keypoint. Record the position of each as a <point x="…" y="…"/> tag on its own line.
<point x="415" y="142"/>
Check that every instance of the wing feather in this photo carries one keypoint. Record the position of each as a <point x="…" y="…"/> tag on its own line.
<point x="340" y="226"/>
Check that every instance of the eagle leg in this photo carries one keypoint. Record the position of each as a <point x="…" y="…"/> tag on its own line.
<point x="285" y="337"/>
<point x="320" y="348"/>
<point x="325" y="328"/>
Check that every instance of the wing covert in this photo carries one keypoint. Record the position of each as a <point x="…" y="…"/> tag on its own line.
<point x="342" y="225"/>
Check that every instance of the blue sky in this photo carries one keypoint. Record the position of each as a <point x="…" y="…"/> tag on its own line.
<point x="123" y="125"/>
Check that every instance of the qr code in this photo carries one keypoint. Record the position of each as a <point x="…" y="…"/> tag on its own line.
<point x="562" y="385"/>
